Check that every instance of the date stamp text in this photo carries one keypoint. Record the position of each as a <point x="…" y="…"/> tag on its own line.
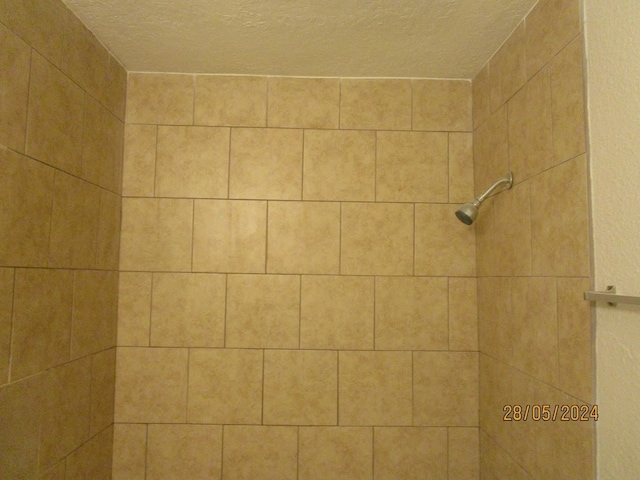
<point x="550" y="413"/>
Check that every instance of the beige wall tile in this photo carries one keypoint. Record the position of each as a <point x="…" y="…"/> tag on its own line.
<point x="266" y="164"/>
<point x="304" y="102"/>
<point x="129" y="451"/>
<point x="223" y="100"/>
<point x="442" y="105"/>
<point x="134" y="309"/>
<point x="187" y="310"/>
<point x="375" y="388"/>
<point x="344" y="453"/>
<point x="66" y="411"/>
<point x="229" y="236"/>
<point x="337" y="312"/>
<point x="461" y="188"/>
<point x="412" y="167"/>
<point x="260" y="452"/>
<point x="507" y="68"/>
<point x="15" y="65"/>
<point x="303" y="237"/>
<point x="184" y="451"/>
<point x="192" y="162"/>
<point x="551" y="25"/>
<point x="156" y="234"/>
<point x="444" y="245"/>
<point x="108" y="253"/>
<point x="55" y="117"/>
<point x="575" y="339"/>
<point x="481" y="93"/>
<point x="381" y="104"/>
<point x="411" y="313"/>
<point x="103" y="387"/>
<point x="503" y="385"/>
<point x="41" y="320"/>
<point x="559" y="220"/>
<point x="535" y="351"/>
<point x="6" y="309"/>
<point x="263" y="311"/>
<point x="487" y="255"/>
<point x="464" y="453"/>
<point x="74" y="223"/>
<point x="225" y="386"/>
<point x="496" y="463"/>
<point x="95" y="309"/>
<point x="40" y="24"/>
<point x="84" y="59"/>
<point x="463" y="314"/>
<point x="20" y="417"/>
<point x="113" y="95"/>
<point x="567" y="102"/>
<point x="410" y="453"/>
<point x="491" y="151"/>
<point x="339" y="165"/>
<point x="151" y="385"/>
<point x="55" y="472"/>
<point x="26" y="194"/>
<point x="157" y="98"/>
<point x="494" y="317"/>
<point x="93" y="459"/>
<point x="377" y="239"/>
<point x="103" y="140"/>
<point x="445" y="386"/>
<point x="300" y="387"/>
<point x="139" y="164"/>
<point x="530" y="129"/>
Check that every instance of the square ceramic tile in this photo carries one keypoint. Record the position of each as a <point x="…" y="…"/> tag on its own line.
<point x="225" y="386"/>
<point x="481" y="92"/>
<point x="229" y="236"/>
<point x="92" y="459"/>
<point x="226" y="100"/>
<point x="410" y="453"/>
<point x="300" y="387"/>
<point x="377" y="239"/>
<point x="463" y="314"/>
<point x="491" y="152"/>
<point x="412" y="167"/>
<point x="442" y="105"/>
<point x="26" y="194"/>
<point x="304" y="102"/>
<point x="129" y="451"/>
<point x="160" y="98"/>
<point x="461" y="179"/>
<point x="411" y="313"/>
<point x="260" y="452"/>
<point x="156" y="234"/>
<point x="36" y="344"/>
<point x="464" y="453"/>
<point x="184" y="451"/>
<point x="494" y="317"/>
<point x="337" y="312"/>
<point x="134" y="309"/>
<point x="188" y="310"/>
<point x="303" y="237"/>
<point x="265" y="164"/>
<point x="192" y="162"/>
<point x="444" y="245"/>
<point x="108" y="249"/>
<point x="507" y="68"/>
<point x="139" y="160"/>
<point x="445" y="388"/>
<point x="151" y="385"/>
<point x="375" y="388"/>
<point x="381" y="104"/>
<point x="114" y="92"/>
<point x="263" y="311"/>
<point x="339" y="165"/>
<point x="103" y="388"/>
<point x="15" y="60"/>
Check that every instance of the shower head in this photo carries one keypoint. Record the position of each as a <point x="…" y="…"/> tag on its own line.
<point x="468" y="212"/>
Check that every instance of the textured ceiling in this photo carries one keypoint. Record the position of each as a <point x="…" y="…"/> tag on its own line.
<point x="346" y="38"/>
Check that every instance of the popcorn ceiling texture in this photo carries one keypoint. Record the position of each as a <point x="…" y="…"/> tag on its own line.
<point x="382" y="38"/>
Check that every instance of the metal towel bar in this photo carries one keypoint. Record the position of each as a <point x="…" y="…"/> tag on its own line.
<point x="611" y="297"/>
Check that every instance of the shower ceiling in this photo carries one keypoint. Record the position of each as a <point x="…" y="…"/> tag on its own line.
<point x="346" y="38"/>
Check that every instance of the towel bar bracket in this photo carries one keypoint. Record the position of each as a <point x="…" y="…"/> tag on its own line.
<point x="611" y="297"/>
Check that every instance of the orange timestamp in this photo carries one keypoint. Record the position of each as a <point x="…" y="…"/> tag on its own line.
<point x="550" y="413"/>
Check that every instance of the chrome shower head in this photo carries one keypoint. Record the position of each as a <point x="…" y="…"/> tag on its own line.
<point x="468" y="212"/>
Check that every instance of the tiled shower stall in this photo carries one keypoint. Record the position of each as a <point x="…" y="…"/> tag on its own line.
<point x="262" y="277"/>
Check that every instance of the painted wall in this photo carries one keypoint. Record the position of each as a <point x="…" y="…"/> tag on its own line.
<point x="613" y="41"/>
<point x="533" y="255"/>
<point x="62" y="102"/>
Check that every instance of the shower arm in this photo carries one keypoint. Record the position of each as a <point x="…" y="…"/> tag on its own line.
<point x="507" y="179"/>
